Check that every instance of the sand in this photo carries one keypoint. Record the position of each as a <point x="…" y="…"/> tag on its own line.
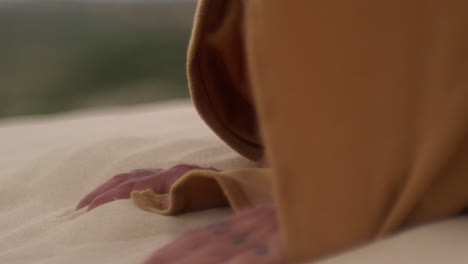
<point x="48" y="163"/>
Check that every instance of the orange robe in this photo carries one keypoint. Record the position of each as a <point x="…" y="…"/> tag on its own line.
<point x="360" y="106"/>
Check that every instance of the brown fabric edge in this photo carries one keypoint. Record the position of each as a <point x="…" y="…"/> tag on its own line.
<point x="200" y="96"/>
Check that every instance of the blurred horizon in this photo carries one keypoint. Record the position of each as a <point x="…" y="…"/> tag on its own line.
<point x="64" y="55"/>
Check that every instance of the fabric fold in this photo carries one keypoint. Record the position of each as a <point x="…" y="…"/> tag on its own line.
<point x="202" y="189"/>
<point x="218" y="79"/>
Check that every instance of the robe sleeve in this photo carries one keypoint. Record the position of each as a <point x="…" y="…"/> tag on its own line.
<point x="220" y="89"/>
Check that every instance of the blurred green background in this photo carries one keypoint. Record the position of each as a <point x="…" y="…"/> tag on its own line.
<point x="61" y="56"/>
